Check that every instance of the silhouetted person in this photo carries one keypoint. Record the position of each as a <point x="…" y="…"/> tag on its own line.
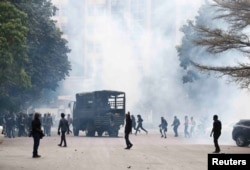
<point x="139" y="121"/>
<point x="21" y="125"/>
<point x="176" y="124"/>
<point x="70" y="120"/>
<point x="128" y="129"/>
<point x="36" y="134"/>
<point x="216" y="132"/>
<point x="10" y="124"/>
<point x="49" y="122"/>
<point x="133" y="122"/>
<point x="163" y="127"/>
<point x="64" y="127"/>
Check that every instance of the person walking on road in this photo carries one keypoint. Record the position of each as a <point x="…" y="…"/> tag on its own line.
<point x="128" y="130"/>
<point x="193" y="124"/>
<point x="139" y="121"/>
<point x="70" y="120"/>
<point x="133" y="122"/>
<point x="186" y="123"/>
<point x="176" y="124"/>
<point x="163" y="127"/>
<point x="64" y="127"/>
<point x="216" y="132"/>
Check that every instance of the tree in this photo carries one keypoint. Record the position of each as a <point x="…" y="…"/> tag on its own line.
<point x="188" y="52"/>
<point x="48" y="60"/>
<point x="236" y="13"/>
<point x="37" y="61"/>
<point x="13" y="51"/>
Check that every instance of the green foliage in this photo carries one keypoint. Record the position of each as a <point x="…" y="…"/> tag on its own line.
<point x="32" y="51"/>
<point x="13" y="48"/>
<point x="47" y="49"/>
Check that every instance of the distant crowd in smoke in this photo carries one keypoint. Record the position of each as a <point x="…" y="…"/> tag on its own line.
<point x="19" y="124"/>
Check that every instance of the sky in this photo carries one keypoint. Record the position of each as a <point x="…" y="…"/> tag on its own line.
<point x="144" y="63"/>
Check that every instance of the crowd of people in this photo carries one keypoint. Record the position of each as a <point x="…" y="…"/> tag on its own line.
<point x="19" y="124"/>
<point x="37" y="126"/>
<point x="189" y="128"/>
<point x="16" y="124"/>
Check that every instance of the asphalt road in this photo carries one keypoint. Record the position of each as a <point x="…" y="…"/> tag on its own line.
<point x="150" y="152"/>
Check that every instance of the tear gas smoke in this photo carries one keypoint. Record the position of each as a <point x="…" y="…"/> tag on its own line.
<point x="143" y="62"/>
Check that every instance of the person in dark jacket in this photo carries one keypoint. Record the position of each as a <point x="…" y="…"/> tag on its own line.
<point x="139" y="125"/>
<point x="64" y="127"/>
<point x="36" y="134"/>
<point x="176" y="124"/>
<point x="163" y="127"/>
<point x="133" y="122"/>
<point x="128" y="129"/>
<point x="216" y="132"/>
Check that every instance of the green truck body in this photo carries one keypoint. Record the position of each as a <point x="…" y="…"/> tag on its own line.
<point x="98" y="112"/>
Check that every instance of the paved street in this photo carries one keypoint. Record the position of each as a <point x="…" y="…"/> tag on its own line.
<point x="105" y="153"/>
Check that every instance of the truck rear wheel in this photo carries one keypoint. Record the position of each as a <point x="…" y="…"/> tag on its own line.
<point x="90" y="131"/>
<point x="76" y="131"/>
<point x="113" y="133"/>
<point x="99" y="133"/>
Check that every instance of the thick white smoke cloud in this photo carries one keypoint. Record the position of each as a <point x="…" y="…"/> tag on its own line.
<point x="124" y="63"/>
<point x="148" y="69"/>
